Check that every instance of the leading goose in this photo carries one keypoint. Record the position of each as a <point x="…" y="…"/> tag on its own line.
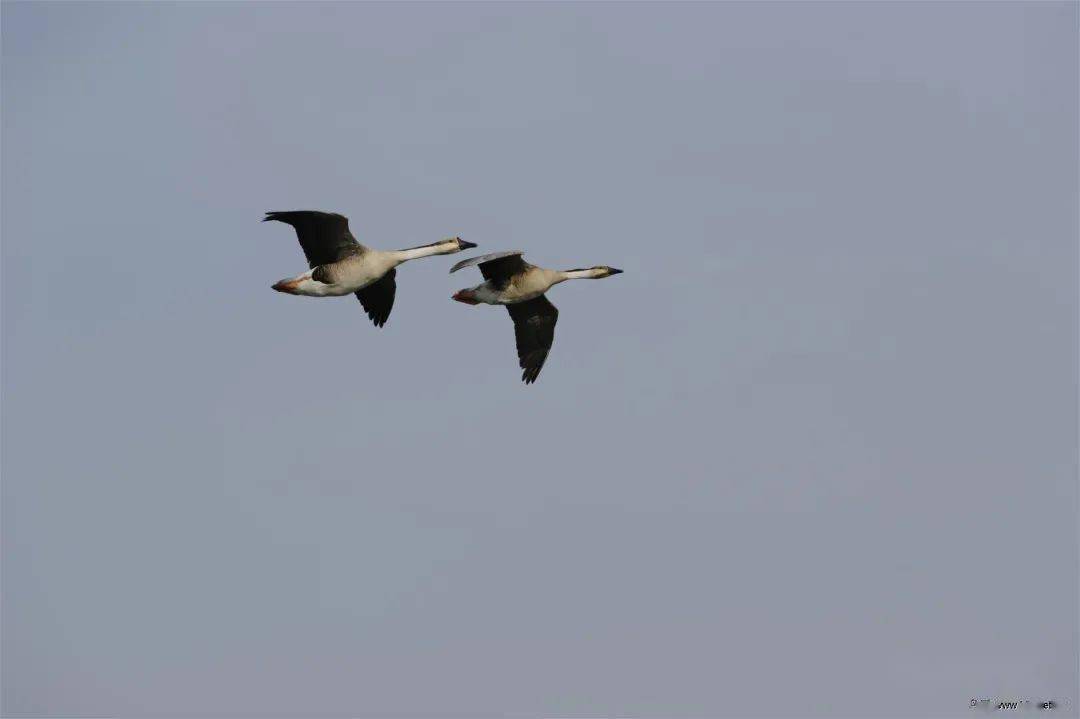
<point x="342" y="266"/>
<point x="510" y="280"/>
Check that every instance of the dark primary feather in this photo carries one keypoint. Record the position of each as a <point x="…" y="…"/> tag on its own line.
<point x="498" y="266"/>
<point x="324" y="236"/>
<point x="378" y="298"/>
<point x="534" y="331"/>
<point x="499" y="271"/>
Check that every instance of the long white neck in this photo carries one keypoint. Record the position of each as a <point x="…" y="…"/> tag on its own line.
<point x="589" y="274"/>
<point x="439" y="248"/>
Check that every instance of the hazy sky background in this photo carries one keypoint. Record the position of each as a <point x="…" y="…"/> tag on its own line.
<point x="814" y="453"/>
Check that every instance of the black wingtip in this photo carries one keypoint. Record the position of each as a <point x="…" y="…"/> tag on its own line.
<point x="377" y="320"/>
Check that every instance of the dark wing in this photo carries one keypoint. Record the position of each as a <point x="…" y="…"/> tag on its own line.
<point x="498" y="266"/>
<point x="324" y="236"/>
<point x="534" y="330"/>
<point x="378" y="298"/>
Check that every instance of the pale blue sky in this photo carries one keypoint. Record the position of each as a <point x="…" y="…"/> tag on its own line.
<point x="814" y="453"/>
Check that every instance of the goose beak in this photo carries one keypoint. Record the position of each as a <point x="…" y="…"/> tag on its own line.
<point x="465" y="245"/>
<point x="613" y="271"/>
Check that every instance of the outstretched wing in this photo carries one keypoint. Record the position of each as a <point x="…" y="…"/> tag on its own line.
<point x="324" y="236"/>
<point x="534" y="331"/>
<point x="498" y="266"/>
<point x="378" y="298"/>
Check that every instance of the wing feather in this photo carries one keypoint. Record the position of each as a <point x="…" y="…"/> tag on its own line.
<point x="324" y="236"/>
<point x="378" y="298"/>
<point x="497" y="265"/>
<point x="534" y="332"/>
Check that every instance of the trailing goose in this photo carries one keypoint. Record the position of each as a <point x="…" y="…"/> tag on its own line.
<point x="342" y="266"/>
<point x="510" y="280"/>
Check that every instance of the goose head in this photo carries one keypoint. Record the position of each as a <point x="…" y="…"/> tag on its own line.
<point x="597" y="272"/>
<point x="456" y="244"/>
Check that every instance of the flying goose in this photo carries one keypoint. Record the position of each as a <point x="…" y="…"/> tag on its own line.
<point x="341" y="266"/>
<point x="510" y="280"/>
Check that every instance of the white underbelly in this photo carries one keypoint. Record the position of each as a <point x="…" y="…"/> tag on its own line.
<point x="511" y="295"/>
<point x="305" y="285"/>
<point x="512" y="298"/>
<point x="314" y="288"/>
